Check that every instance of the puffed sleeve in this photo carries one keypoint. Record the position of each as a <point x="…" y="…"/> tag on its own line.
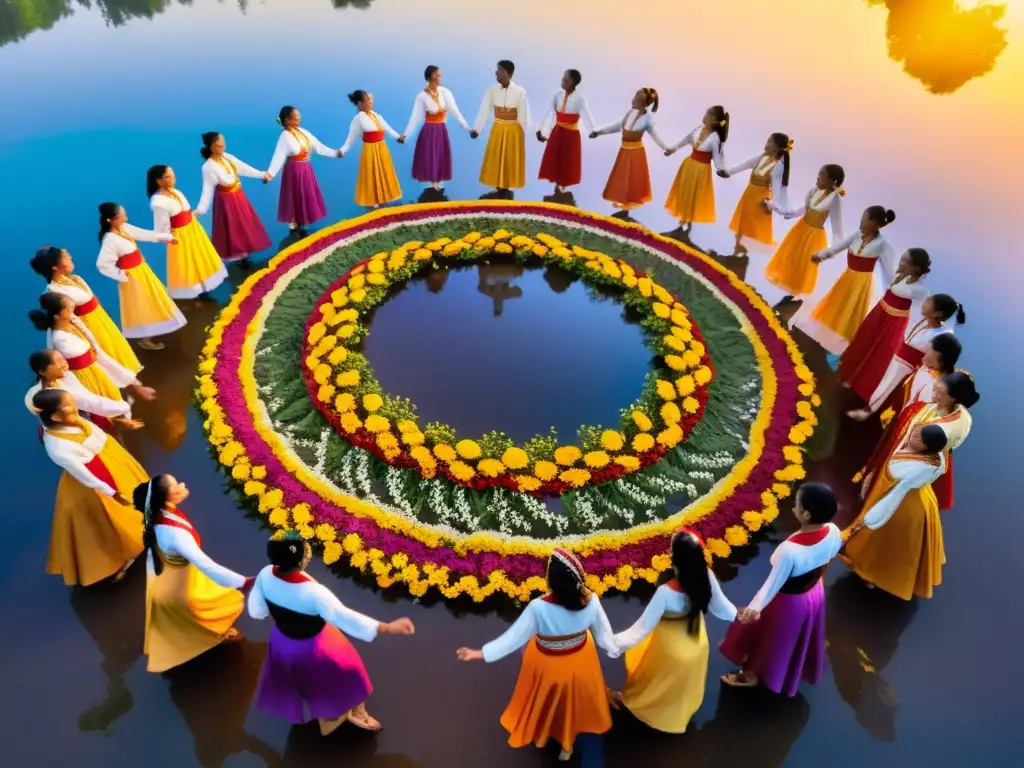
<point x="280" y="154"/>
<point x="355" y="130"/>
<point x="548" y="121"/>
<point x="387" y="128"/>
<point x="209" y="185"/>
<point x="652" y="129"/>
<point x="419" y="111"/>
<point x="909" y="476"/>
<point x="256" y="602"/>
<point x="106" y="262"/>
<point x="835" y="216"/>
<point x="453" y="109"/>
<point x="746" y="165"/>
<point x="319" y="147"/>
<point x="721" y="607"/>
<point x="161" y="218"/>
<point x="484" y="111"/>
<point x="515" y="637"/>
<point x="780" y="191"/>
<point x="602" y="630"/>
<point x="73" y="465"/>
<point x="147" y="235"/>
<point x="182" y="543"/>
<point x="687" y="139"/>
<point x="782" y="567"/>
<point x="353" y="623"/>
<point x="643" y="626"/>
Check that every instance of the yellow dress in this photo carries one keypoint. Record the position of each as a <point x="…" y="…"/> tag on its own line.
<point x="193" y="265"/>
<point x="377" y="182"/>
<point x="848" y="302"/>
<point x="504" y="165"/>
<point x="93" y="536"/>
<point x="692" y="197"/>
<point x="89" y="310"/>
<point x="83" y="361"/>
<point x="146" y="307"/>
<point x="750" y="219"/>
<point x="791" y="268"/>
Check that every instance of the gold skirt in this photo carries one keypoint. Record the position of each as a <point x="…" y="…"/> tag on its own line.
<point x="96" y="380"/>
<point x="692" y="198"/>
<point x="146" y="308"/>
<point x="791" y="268"/>
<point x="377" y="182"/>
<point x="193" y="264"/>
<point x="750" y="219"/>
<point x="846" y="304"/>
<point x="504" y="165"/>
<point x="110" y="338"/>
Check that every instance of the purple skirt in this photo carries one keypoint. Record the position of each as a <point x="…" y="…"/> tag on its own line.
<point x="319" y="678"/>
<point x="237" y="230"/>
<point x="301" y="202"/>
<point x="433" y="159"/>
<point x="786" y="645"/>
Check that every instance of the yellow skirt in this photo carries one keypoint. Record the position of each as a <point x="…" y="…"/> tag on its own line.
<point x="557" y="697"/>
<point x="110" y="339"/>
<point x="846" y="304"/>
<point x="692" y="198"/>
<point x="377" y="182"/>
<point x="905" y="556"/>
<point x="504" y="165"/>
<point x="750" y="219"/>
<point x="93" y="536"/>
<point x="96" y="380"/>
<point x="146" y="308"/>
<point x="193" y="264"/>
<point x="187" y="614"/>
<point x="666" y="675"/>
<point x="791" y="268"/>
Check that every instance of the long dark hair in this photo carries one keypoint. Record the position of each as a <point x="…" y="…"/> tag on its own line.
<point x="108" y="211"/>
<point x="50" y="305"/>
<point x="39" y="361"/>
<point x="565" y="580"/>
<point x="208" y="138"/>
<point x="47" y="402"/>
<point x="781" y="140"/>
<point x="721" y="126"/>
<point x="155" y="491"/>
<point x="948" y="307"/>
<point x="153" y="176"/>
<point x="960" y="387"/>
<point x="948" y="348"/>
<point x="880" y="215"/>
<point x="45" y="261"/>
<point x="835" y="174"/>
<point x="691" y="572"/>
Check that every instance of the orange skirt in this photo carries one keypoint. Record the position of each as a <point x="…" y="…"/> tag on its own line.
<point x="750" y="219"/>
<point x="692" y="197"/>
<point x="629" y="183"/>
<point x="791" y="268"/>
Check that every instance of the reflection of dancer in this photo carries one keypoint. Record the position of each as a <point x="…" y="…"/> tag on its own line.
<point x="495" y="281"/>
<point x="504" y="165"/>
<point x="560" y="692"/>
<point x="692" y="197"/>
<point x="769" y="180"/>
<point x="301" y="202"/>
<point x="432" y="160"/>
<point x="667" y="648"/>
<point x="377" y="182"/>
<point x="772" y="723"/>
<point x="562" y="163"/>
<point x="780" y="638"/>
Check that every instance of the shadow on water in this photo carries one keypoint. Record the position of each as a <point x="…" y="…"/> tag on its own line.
<point x="306" y="747"/>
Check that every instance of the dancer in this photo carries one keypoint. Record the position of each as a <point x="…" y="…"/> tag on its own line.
<point x="504" y="165"/>
<point x="194" y="267"/>
<point x="629" y="183"/>
<point x="191" y="601"/>
<point x="300" y="203"/>
<point x="692" y="197"/>
<point x="237" y="230"/>
<point x="839" y="314"/>
<point x="769" y="180"/>
<point x="562" y="163"/>
<point x="560" y="692"/>
<point x="146" y="308"/>
<point x="310" y="665"/>
<point x="56" y="267"/>
<point x="780" y="637"/>
<point x="96" y="533"/>
<point x="667" y="648"/>
<point x="432" y="159"/>
<point x="95" y="369"/>
<point x="864" y="361"/>
<point x="377" y="182"/>
<point x="791" y="268"/>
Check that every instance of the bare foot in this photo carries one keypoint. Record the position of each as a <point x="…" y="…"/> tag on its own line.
<point x="740" y="679"/>
<point x="151" y="346"/>
<point x="327" y="727"/>
<point x="862" y="414"/>
<point x="232" y="636"/>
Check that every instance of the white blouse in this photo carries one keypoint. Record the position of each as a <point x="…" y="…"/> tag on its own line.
<point x="165" y="206"/>
<point x="424" y="104"/>
<point x="175" y="541"/>
<point x="552" y="620"/>
<point x="513" y="97"/>
<point x="72" y="345"/>
<point x="792" y="558"/>
<point x="217" y="174"/>
<point x="832" y="202"/>
<point x="712" y="143"/>
<point x="310" y="598"/>
<point x="113" y="246"/>
<point x="759" y="163"/>
<point x="72" y="457"/>
<point x="668" y="599"/>
<point x="634" y="120"/>
<point x="84" y="399"/>
<point x="79" y="293"/>
<point x="575" y="104"/>
<point x="920" y="338"/>
<point x="909" y="475"/>
<point x="288" y="146"/>
<point x="363" y="123"/>
<point x="877" y="248"/>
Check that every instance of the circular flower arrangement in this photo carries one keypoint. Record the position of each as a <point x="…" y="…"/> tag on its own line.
<point x="713" y="439"/>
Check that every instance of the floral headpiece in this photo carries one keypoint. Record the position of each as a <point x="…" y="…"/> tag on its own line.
<point x="570" y="561"/>
<point x="789" y="145"/>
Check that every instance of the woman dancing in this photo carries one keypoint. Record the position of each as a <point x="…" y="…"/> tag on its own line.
<point x="667" y="648"/>
<point x="562" y="163"/>
<point x="432" y="159"/>
<point x="300" y="203"/>
<point x="692" y="197"/>
<point x="310" y="665"/>
<point x="769" y="180"/>
<point x="560" y="692"/>
<point x="96" y="533"/>
<point x="629" y="183"/>
<point x="237" y="230"/>
<point x="377" y="182"/>
<point x="191" y="601"/>
<point x="146" y="308"/>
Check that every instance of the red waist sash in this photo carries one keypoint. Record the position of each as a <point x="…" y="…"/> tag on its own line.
<point x="87" y="307"/>
<point x="857" y="263"/>
<point x="181" y="219"/>
<point x="567" y="120"/>
<point x="372" y="137"/>
<point x="908" y="354"/>
<point x="437" y="117"/>
<point x="229" y="188"/>
<point x="302" y="157"/>
<point x="129" y="260"/>
<point x="561" y="646"/>
<point x="701" y="157"/>
<point x="896" y="305"/>
<point x="82" y="361"/>
<point x="99" y="470"/>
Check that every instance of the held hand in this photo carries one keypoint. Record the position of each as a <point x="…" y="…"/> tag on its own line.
<point x="593" y="134"/>
<point x="668" y="152"/>
<point x="540" y="137"/>
<point x="818" y="258"/>
<point x="723" y="174"/>
<point x="122" y="500"/>
<point x="401" y="139"/>
<point x="767" y="205"/>
<point x="398" y="627"/>
<point x="173" y="241"/>
<point x="474" y="134"/>
<point x="340" y="153"/>
<point x="133" y="424"/>
<point x="469" y="654"/>
<point x="266" y="177"/>
<point x="246" y="588"/>
<point x="146" y="393"/>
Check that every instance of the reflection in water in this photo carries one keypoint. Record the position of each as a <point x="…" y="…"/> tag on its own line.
<point x="863" y="631"/>
<point x="770" y="725"/>
<point x="557" y="278"/>
<point x="941" y="43"/>
<point x="346" y="746"/>
<point x="495" y="281"/>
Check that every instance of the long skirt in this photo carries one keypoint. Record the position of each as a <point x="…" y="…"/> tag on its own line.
<point x="629" y="183"/>
<point x="750" y="221"/>
<point x="187" y="614"/>
<point x="300" y="201"/>
<point x="692" y="197"/>
<point x="872" y="348"/>
<point x="237" y="230"/>
<point x="146" y="307"/>
<point x="905" y="556"/>
<point x="193" y="264"/>
<point x="836" y="318"/>
<point x="666" y="675"/>
<point x="786" y="645"/>
<point x="96" y="380"/>
<point x="504" y="165"/>
<point x="377" y="182"/>
<point x="319" y="678"/>
<point x="557" y="697"/>
<point x="110" y="339"/>
<point x="791" y="268"/>
<point x="92" y="536"/>
<point x="432" y="160"/>
<point x="562" y="163"/>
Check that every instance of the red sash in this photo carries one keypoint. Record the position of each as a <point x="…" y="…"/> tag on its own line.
<point x="896" y="305"/>
<point x="292" y="577"/>
<point x="857" y="263"/>
<point x="302" y="157"/>
<point x="437" y="117"/>
<point x="82" y="361"/>
<point x="567" y="120"/>
<point x="700" y="157"/>
<point x="179" y="220"/>
<point x="372" y="137"/>
<point x="162" y="519"/>
<point x="87" y="307"/>
<point x="99" y="470"/>
<point x="129" y="260"/>
<point x="910" y="355"/>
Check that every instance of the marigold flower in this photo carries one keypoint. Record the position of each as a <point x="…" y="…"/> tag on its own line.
<point x="332" y="551"/>
<point x="355" y="283"/>
<point x="613" y="271"/>
<point x="691" y="359"/>
<point x="702" y="375"/>
<point x="490" y="467"/>
<point x="445" y="452"/>
<point x="325" y="393"/>
<point x="806" y="389"/>
<point x="312" y="361"/>
<point x="322" y="373"/>
<point x="376" y="266"/>
<point x="344" y="402"/>
<point x="629" y="281"/>
<point x="804" y="410"/>
<point x="679" y="318"/>
<point x="485" y="243"/>
<point x="780" y="490"/>
<point x="815" y="400"/>
<point x="671" y="437"/>
<point x="347" y="378"/>
<point x="661" y="310"/>
<point x="670" y="413"/>
<point x="527" y="483"/>
<point x="736" y="536"/>
<point x="611" y="440"/>
<point x="662" y="295"/>
<point x="665" y="390"/>
<point x="545" y="470"/>
<point x="567" y="455"/>
<point x="683" y="334"/>
<point x="413" y="438"/>
<point x="352" y="543"/>
<point x="632" y="463"/>
<point x="270" y="499"/>
<point x="691" y="404"/>
<point x="792" y="454"/>
<point x="540" y="251"/>
<point x="278" y="517"/>
<point x="770" y="513"/>
<point x="576" y="478"/>
<point x="676" y="363"/>
<point x="406" y="425"/>
<point x="753" y="520"/>
<point x="461" y="471"/>
<point x="797" y="436"/>
<point x="454" y="249"/>
<point x="502" y="234"/>
<point x="472" y="237"/>
<point x="645" y="286"/>
<point x="253" y="488"/>
<point x="698" y="349"/>
<point x="422" y="254"/>
<point x="673" y="343"/>
<point x="258" y="472"/>
<point x="596" y="459"/>
<point x="301" y="514"/>
<point x="357" y="296"/>
<point x="350" y="422"/>
<point x="240" y="472"/>
<point x="316" y="332"/>
<point x="375" y="423"/>
<point x="803" y="373"/>
<point x="515" y="458"/>
<point x="372" y="401"/>
<point x="376" y="279"/>
<point x="468" y="449"/>
<point x="338" y="355"/>
<point x="387" y="441"/>
<point x="562" y="252"/>
<point x="642" y="421"/>
<point x="643" y="442"/>
<point x="718" y="548"/>
<point x="504" y="248"/>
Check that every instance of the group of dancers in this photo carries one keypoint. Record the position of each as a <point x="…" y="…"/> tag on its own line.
<point x="109" y="510"/>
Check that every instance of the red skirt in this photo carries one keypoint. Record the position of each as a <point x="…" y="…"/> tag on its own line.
<point x="562" y="163"/>
<point x="237" y="230"/>
<point x="871" y="349"/>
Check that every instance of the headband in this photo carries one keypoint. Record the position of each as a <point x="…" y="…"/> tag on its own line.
<point x="570" y="561"/>
<point x="687" y="531"/>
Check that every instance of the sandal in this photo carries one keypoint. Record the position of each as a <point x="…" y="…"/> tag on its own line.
<point x="738" y="680"/>
<point x="327" y="727"/>
<point x="360" y="718"/>
<point x="615" y="699"/>
<point x="151" y="346"/>
<point x="232" y="636"/>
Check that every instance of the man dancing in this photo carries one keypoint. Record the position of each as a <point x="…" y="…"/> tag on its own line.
<point x="504" y="166"/>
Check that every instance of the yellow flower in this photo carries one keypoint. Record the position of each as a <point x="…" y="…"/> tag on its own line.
<point x="611" y="440"/>
<point x="527" y="484"/>
<point x="240" y="472"/>
<point x="445" y="452"/>
<point x="472" y="237"/>
<point x="792" y="454"/>
<point x="521" y="241"/>
<point x="372" y="401"/>
<point x="770" y="513"/>
<point x="797" y="436"/>
<point x="338" y="355"/>
<point x="270" y="499"/>
<point x="780" y="490"/>
<point x="815" y="400"/>
<point x="376" y="279"/>
<point x="803" y="373"/>
<point x="490" y="467"/>
<point x="412" y="245"/>
<point x="316" y="332"/>
<point x="804" y="410"/>
<point x="665" y="390"/>
<point x="671" y="437"/>
<point x="422" y="254"/>
<point x="631" y="463"/>
<point x="691" y="359"/>
<point x="676" y="363"/>
<point x="643" y="442"/>
<point x="567" y="455"/>
<point x="387" y="442"/>
<point x="540" y="250"/>
<point x="357" y="296"/>
<point x="301" y="514"/>
<point x="515" y="458"/>
<point x="884" y="418"/>
<point x="679" y="318"/>
<point x="596" y="459"/>
<point x="416" y="438"/>
<point x="406" y="425"/>
<point x="311" y="363"/>
<point x="305" y="532"/>
<point x="718" y="548"/>
<point x="352" y="543"/>
<point x="356" y="282"/>
<point x="691" y="404"/>
<point x="683" y="334"/>
<point x="485" y="243"/>
<point x="454" y="249"/>
<point x="278" y="517"/>
<point x="545" y="470"/>
<point x="661" y="310"/>
<point x="642" y="421"/>
<point x="629" y="281"/>
<point x="347" y="379"/>
<point x="806" y="389"/>
<point x="461" y="471"/>
<point x="576" y="478"/>
<point x="670" y="413"/>
<point x="258" y="473"/>
<point x="562" y="252"/>
<point x="736" y="536"/>
<point x="753" y="520"/>
<point x="467" y="449"/>
<point x="322" y="373"/>
<point x="644" y="285"/>
<point x="662" y="295"/>
<point x="325" y="393"/>
<point x="791" y="473"/>
<point x="421" y="454"/>
<point x="673" y="343"/>
<point x="504" y="248"/>
<point x="350" y="422"/>
<point x="502" y="234"/>
<point x="376" y="266"/>
<point x="332" y="552"/>
<point x="375" y="423"/>
<point x="702" y="375"/>
<point x="698" y="349"/>
<point x="344" y="402"/>
<point x="685" y="386"/>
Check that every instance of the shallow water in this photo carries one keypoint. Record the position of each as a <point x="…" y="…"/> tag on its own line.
<point x="918" y="101"/>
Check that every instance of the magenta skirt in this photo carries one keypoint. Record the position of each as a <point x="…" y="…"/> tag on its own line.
<point x="319" y="678"/>
<point x="433" y="158"/>
<point x="300" y="202"/>
<point x="786" y="645"/>
<point x="237" y="230"/>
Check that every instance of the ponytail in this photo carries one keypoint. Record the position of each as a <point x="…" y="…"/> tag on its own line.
<point x="149" y="498"/>
<point x="721" y="123"/>
<point x="108" y="211"/>
<point x="785" y="145"/>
